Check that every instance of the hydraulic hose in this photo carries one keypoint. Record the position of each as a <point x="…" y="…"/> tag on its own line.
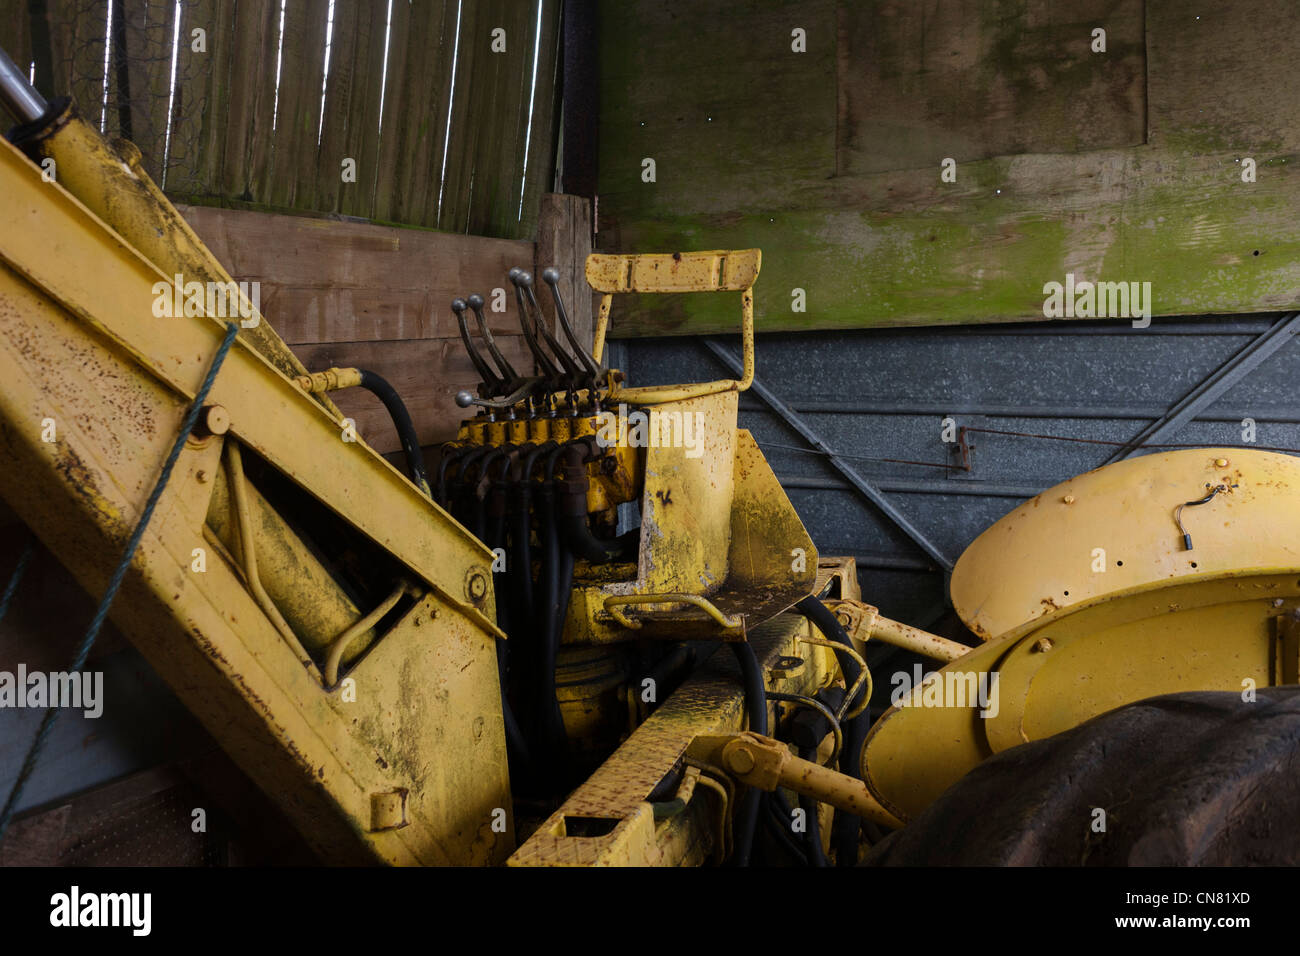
<point x="846" y="826"/>
<point x="379" y="387"/>
<point x="529" y="636"/>
<point x="751" y="675"/>
<point x="449" y="457"/>
<point x="522" y="542"/>
<point x="549" y="611"/>
<point x="465" y="504"/>
<point x="778" y="818"/>
<point x="572" y="509"/>
<point x="457" y="502"/>
<point x="493" y="503"/>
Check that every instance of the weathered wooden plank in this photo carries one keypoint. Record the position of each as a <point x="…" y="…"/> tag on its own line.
<point x="393" y="118"/>
<point x="15" y="32"/>
<point x="196" y="72"/>
<point x="262" y="109"/>
<point x="325" y="280"/>
<point x="458" y="110"/>
<point x="713" y="93"/>
<point x="1221" y="76"/>
<point x="1180" y="222"/>
<point x="361" y="140"/>
<point x="150" y="48"/>
<point x="900" y="247"/>
<point x="427" y="373"/>
<point x="79" y="29"/>
<point x="497" y="123"/>
<point x="247" y="68"/>
<point x="419" y="127"/>
<point x="540" y="171"/>
<point x="297" y="122"/>
<point x="219" y="18"/>
<point x="970" y="79"/>
<point x="334" y="134"/>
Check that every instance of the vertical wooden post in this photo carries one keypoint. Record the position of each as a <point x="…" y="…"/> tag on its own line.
<point x="564" y="241"/>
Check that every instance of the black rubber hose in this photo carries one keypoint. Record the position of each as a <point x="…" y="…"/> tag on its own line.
<point x="519" y="527"/>
<point x="529" y="636"/>
<point x="548" y="611"/>
<point x="379" y="387"/>
<point x="498" y="492"/>
<point x="751" y="675"/>
<point x="460" y="490"/>
<point x="778" y="817"/>
<point x="478" y="506"/>
<point x="572" y="509"/>
<point x="846" y="826"/>
<point x="559" y="736"/>
<point x="449" y="457"/>
<point x="515" y="736"/>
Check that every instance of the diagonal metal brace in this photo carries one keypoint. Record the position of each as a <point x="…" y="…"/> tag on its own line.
<point x="864" y="487"/>
<point x="1227" y="375"/>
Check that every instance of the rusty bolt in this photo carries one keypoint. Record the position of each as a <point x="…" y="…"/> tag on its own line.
<point x="1068" y="499"/>
<point x="215" y="419"/>
<point x="1043" y="645"/>
<point x="740" y="760"/>
<point x="476" y="586"/>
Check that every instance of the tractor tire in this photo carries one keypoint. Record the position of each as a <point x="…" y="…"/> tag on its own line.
<point x="1181" y="780"/>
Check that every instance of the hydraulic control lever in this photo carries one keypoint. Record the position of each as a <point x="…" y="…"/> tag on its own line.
<point x="544" y="363"/>
<point x="527" y="387"/>
<point x="508" y="374"/>
<point x="551" y="276"/>
<point x="568" y="379"/>
<point x="489" y="384"/>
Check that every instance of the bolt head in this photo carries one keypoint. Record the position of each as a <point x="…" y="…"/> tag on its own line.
<point x="216" y="420"/>
<point x="1043" y="645"/>
<point x="740" y="760"/>
<point x="476" y="586"/>
<point x="1068" y="499"/>
<point x="1221" y="463"/>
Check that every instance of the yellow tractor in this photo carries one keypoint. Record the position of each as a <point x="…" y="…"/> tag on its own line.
<point x="517" y="655"/>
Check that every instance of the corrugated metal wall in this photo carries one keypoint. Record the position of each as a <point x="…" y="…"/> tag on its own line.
<point x="446" y="107"/>
<point x="884" y="394"/>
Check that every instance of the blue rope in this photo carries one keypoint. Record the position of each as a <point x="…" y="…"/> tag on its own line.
<point x="115" y="582"/>
<point x="14" y="578"/>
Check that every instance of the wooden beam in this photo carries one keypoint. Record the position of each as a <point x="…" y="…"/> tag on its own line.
<point x="378" y="297"/>
<point x="325" y="280"/>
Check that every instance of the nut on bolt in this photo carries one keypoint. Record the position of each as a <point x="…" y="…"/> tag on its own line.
<point x="1043" y="645"/>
